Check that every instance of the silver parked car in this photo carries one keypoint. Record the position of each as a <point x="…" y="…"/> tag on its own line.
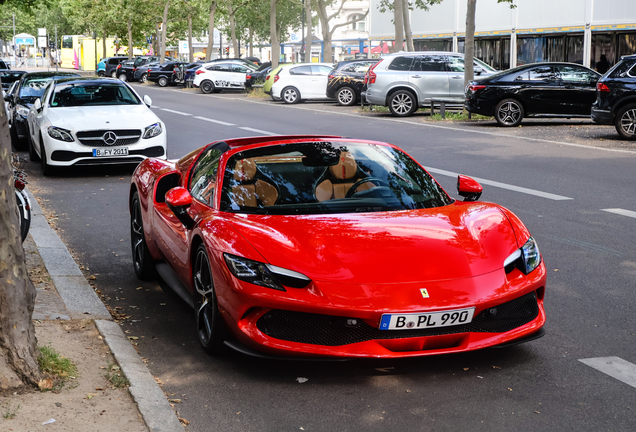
<point x="405" y="81"/>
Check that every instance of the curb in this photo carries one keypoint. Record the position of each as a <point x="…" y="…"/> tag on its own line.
<point x="82" y="303"/>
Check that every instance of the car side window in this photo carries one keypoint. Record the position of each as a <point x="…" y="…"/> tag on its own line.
<point x="430" y="63"/>
<point x="203" y="179"/>
<point x="223" y="67"/>
<point x="300" y="70"/>
<point x="543" y="73"/>
<point x="239" y="68"/>
<point x="455" y="64"/>
<point x="113" y="61"/>
<point x="573" y="74"/>
<point x="401" y="64"/>
<point x="320" y="70"/>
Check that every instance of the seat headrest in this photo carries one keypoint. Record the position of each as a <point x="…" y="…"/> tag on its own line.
<point x="346" y="167"/>
<point x="244" y="170"/>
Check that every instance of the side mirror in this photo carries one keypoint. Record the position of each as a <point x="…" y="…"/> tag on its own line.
<point x="147" y="101"/>
<point x="37" y="105"/>
<point x="8" y="97"/>
<point x="178" y="200"/>
<point x="468" y="188"/>
<point x="478" y="70"/>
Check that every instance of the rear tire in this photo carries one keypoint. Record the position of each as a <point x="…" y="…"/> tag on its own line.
<point x="402" y="103"/>
<point x="207" y="87"/>
<point x="123" y="77"/>
<point x="509" y="113"/>
<point x="143" y="79"/>
<point x="210" y="327"/>
<point x="162" y="81"/>
<point x="290" y="95"/>
<point x="100" y="74"/>
<point x="625" y="122"/>
<point x="113" y="74"/>
<point x="142" y="261"/>
<point x="346" y="96"/>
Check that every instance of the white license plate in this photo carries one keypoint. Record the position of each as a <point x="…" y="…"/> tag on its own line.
<point x="119" y="151"/>
<point x="412" y="321"/>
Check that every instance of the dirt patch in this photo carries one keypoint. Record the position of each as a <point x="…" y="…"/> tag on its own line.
<point x="87" y="402"/>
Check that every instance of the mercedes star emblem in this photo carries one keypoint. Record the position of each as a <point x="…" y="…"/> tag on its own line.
<point x="109" y="138"/>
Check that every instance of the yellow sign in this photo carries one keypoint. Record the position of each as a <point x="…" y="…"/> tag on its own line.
<point x="424" y="292"/>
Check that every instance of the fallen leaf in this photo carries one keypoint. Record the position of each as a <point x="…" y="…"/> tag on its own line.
<point x="466" y="368"/>
<point x="98" y="388"/>
<point x="133" y="337"/>
<point x="536" y="412"/>
<point x="92" y="277"/>
<point x="184" y="421"/>
<point x="509" y="389"/>
<point x="496" y="367"/>
<point x="302" y="380"/>
<point x="174" y="400"/>
<point x="45" y="384"/>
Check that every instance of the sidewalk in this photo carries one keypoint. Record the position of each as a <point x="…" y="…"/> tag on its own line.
<point x="70" y="317"/>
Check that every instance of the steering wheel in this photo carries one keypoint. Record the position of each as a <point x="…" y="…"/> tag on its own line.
<point x="352" y="189"/>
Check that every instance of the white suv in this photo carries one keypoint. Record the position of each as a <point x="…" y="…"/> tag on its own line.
<point x="297" y="82"/>
<point x="405" y="81"/>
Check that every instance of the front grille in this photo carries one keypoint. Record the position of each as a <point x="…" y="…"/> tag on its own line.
<point x="95" y="138"/>
<point x="333" y="330"/>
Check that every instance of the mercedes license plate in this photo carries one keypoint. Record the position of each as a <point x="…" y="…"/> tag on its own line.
<point x="119" y="151"/>
<point x="412" y="321"/>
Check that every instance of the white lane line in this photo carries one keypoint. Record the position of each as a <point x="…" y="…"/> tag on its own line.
<point x="155" y="106"/>
<point x="214" y="121"/>
<point x="504" y="186"/>
<point x="615" y="367"/>
<point x="258" y="131"/>
<point x="176" y="112"/>
<point x="621" y="212"/>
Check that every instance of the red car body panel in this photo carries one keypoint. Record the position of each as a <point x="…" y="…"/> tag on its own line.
<point x="361" y="265"/>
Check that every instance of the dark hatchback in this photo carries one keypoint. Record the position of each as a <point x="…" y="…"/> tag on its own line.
<point x="25" y="92"/>
<point x="8" y="77"/>
<point x="534" y="89"/>
<point x="616" y="98"/>
<point x="110" y="66"/>
<point x="170" y="73"/>
<point x="346" y="80"/>
<point x="257" y="78"/>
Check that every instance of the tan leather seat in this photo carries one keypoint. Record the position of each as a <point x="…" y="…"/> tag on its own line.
<point x="249" y="192"/>
<point x="340" y="178"/>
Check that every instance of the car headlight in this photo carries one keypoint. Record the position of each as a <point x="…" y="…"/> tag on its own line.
<point x="22" y="110"/>
<point x="266" y="275"/>
<point x="60" y="134"/>
<point x="527" y="258"/>
<point x="152" y="131"/>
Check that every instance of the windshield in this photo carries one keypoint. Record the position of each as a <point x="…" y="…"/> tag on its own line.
<point x="80" y="94"/>
<point x="327" y="177"/>
<point x="33" y="88"/>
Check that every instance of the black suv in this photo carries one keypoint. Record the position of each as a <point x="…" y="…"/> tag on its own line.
<point x="110" y="66"/>
<point x="346" y="80"/>
<point x="616" y="98"/>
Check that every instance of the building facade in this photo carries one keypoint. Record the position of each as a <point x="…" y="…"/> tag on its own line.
<point x="594" y="33"/>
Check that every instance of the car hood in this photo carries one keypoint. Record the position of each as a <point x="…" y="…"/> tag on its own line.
<point x="102" y="117"/>
<point x="456" y="241"/>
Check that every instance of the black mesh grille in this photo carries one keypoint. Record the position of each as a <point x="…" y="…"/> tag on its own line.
<point x="94" y="138"/>
<point x="333" y="330"/>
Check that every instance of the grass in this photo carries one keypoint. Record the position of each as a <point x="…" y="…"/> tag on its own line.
<point x="116" y="377"/>
<point x="8" y="412"/>
<point x="257" y="93"/>
<point x="457" y="116"/>
<point x="58" y="367"/>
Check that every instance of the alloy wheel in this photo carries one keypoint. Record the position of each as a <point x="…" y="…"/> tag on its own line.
<point x="142" y="261"/>
<point x="628" y="123"/>
<point x="345" y="96"/>
<point x="290" y="95"/>
<point x="509" y="113"/>
<point x="205" y="303"/>
<point x="402" y="103"/>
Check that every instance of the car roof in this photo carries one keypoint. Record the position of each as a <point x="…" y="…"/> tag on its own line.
<point x="89" y="80"/>
<point x="51" y="74"/>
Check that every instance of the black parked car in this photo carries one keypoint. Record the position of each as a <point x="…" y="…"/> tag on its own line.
<point x="142" y="60"/>
<point x="539" y="88"/>
<point x="30" y="87"/>
<point x="616" y="98"/>
<point x="257" y="78"/>
<point x="346" y="80"/>
<point x="110" y="66"/>
<point x="8" y="77"/>
<point x="126" y="70"/>
<point x="170" y="73"/>
<point x="4" y="65"/>
<point x="141" y="73"/>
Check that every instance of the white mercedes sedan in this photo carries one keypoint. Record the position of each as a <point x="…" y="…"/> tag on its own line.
<point x="93" y="121"/>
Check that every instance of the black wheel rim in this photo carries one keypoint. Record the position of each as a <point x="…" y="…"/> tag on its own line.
<point x="628" y="122"/>
<point x="509" y="113"/>
<point x="402" y="103"/>
<point x="207" y="87"/>
<point x="137" y="235"/>
<point x="204" y="293"/>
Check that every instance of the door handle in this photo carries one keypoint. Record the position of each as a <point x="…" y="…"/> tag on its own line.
<point x="416" y="76"/>
<point x="457" y="77"/>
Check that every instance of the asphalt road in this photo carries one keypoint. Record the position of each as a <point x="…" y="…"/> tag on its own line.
<point x="541" y="385"/>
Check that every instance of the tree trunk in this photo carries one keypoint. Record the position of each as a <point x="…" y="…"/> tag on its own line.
<point x="231" y="12"/>
<point x="103" y="43"/>
<point x="273" y="33"/>
<point x="398" y="22"/>
<point x="190" y="47"/>
<point x="309" y="39"/>
<point x="251" y="36"/>
<point x="130" y="40"/>
<point x="469" y="46"/>
<point x="164" y="33"/>
<point x="208" y="52"/>
<point x="18" y="345"/>
<point x="326" y="34"/>
<point x="407" y="25"/>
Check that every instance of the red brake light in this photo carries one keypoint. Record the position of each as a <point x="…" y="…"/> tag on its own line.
<point x="199" y="72"/>
<point x="267" y="78"/>
<point x="276" y="78"/>
<point x="474" y="87"/>
<point x="371" y="76"/>
<point x="331" y="76"/>
<point x="247" y="77"/>
<point x="134" y="69"/>
<point x="602" y="87"/>
<point x="119" y="66"/>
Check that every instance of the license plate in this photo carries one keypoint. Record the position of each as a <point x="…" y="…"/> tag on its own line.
<point x="119" y="151"/>
<point x="412" y="321"/>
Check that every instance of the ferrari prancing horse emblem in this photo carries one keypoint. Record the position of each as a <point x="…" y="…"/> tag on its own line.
<point x="424" y="292"/>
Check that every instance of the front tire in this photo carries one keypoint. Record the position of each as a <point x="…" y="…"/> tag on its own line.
<point x="162" y="81"/>
<point x="100" y="74"/>
<point x="142" y="261"/>
<point x="123" y="77"/>
<point x="207" y="87"/>
<point x="290" y="95"/>
<point x="33" y="156"/>
<point x="402" y="103"/>
<point x="625" y="122"/>
<point x="509" y="113"/>
<point x="210" y="327"/>
<point x="346" y="96"/>
<point x="47" y="169"/>
<point x="113" y="74"/>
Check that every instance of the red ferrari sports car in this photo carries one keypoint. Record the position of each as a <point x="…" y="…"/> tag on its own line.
<point x="323" y="246"/>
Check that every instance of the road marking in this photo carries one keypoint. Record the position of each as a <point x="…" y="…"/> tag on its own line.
<point x="155" y="106"/>
<point x="585" y="245"/>
<point x="258" y="131"/>
<point x="615" y="367"/>
<point x="214" y="121"/>
<point x="176" y="112"/>
<point x="504" y="185"/>
<point x="621" y="212"/>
